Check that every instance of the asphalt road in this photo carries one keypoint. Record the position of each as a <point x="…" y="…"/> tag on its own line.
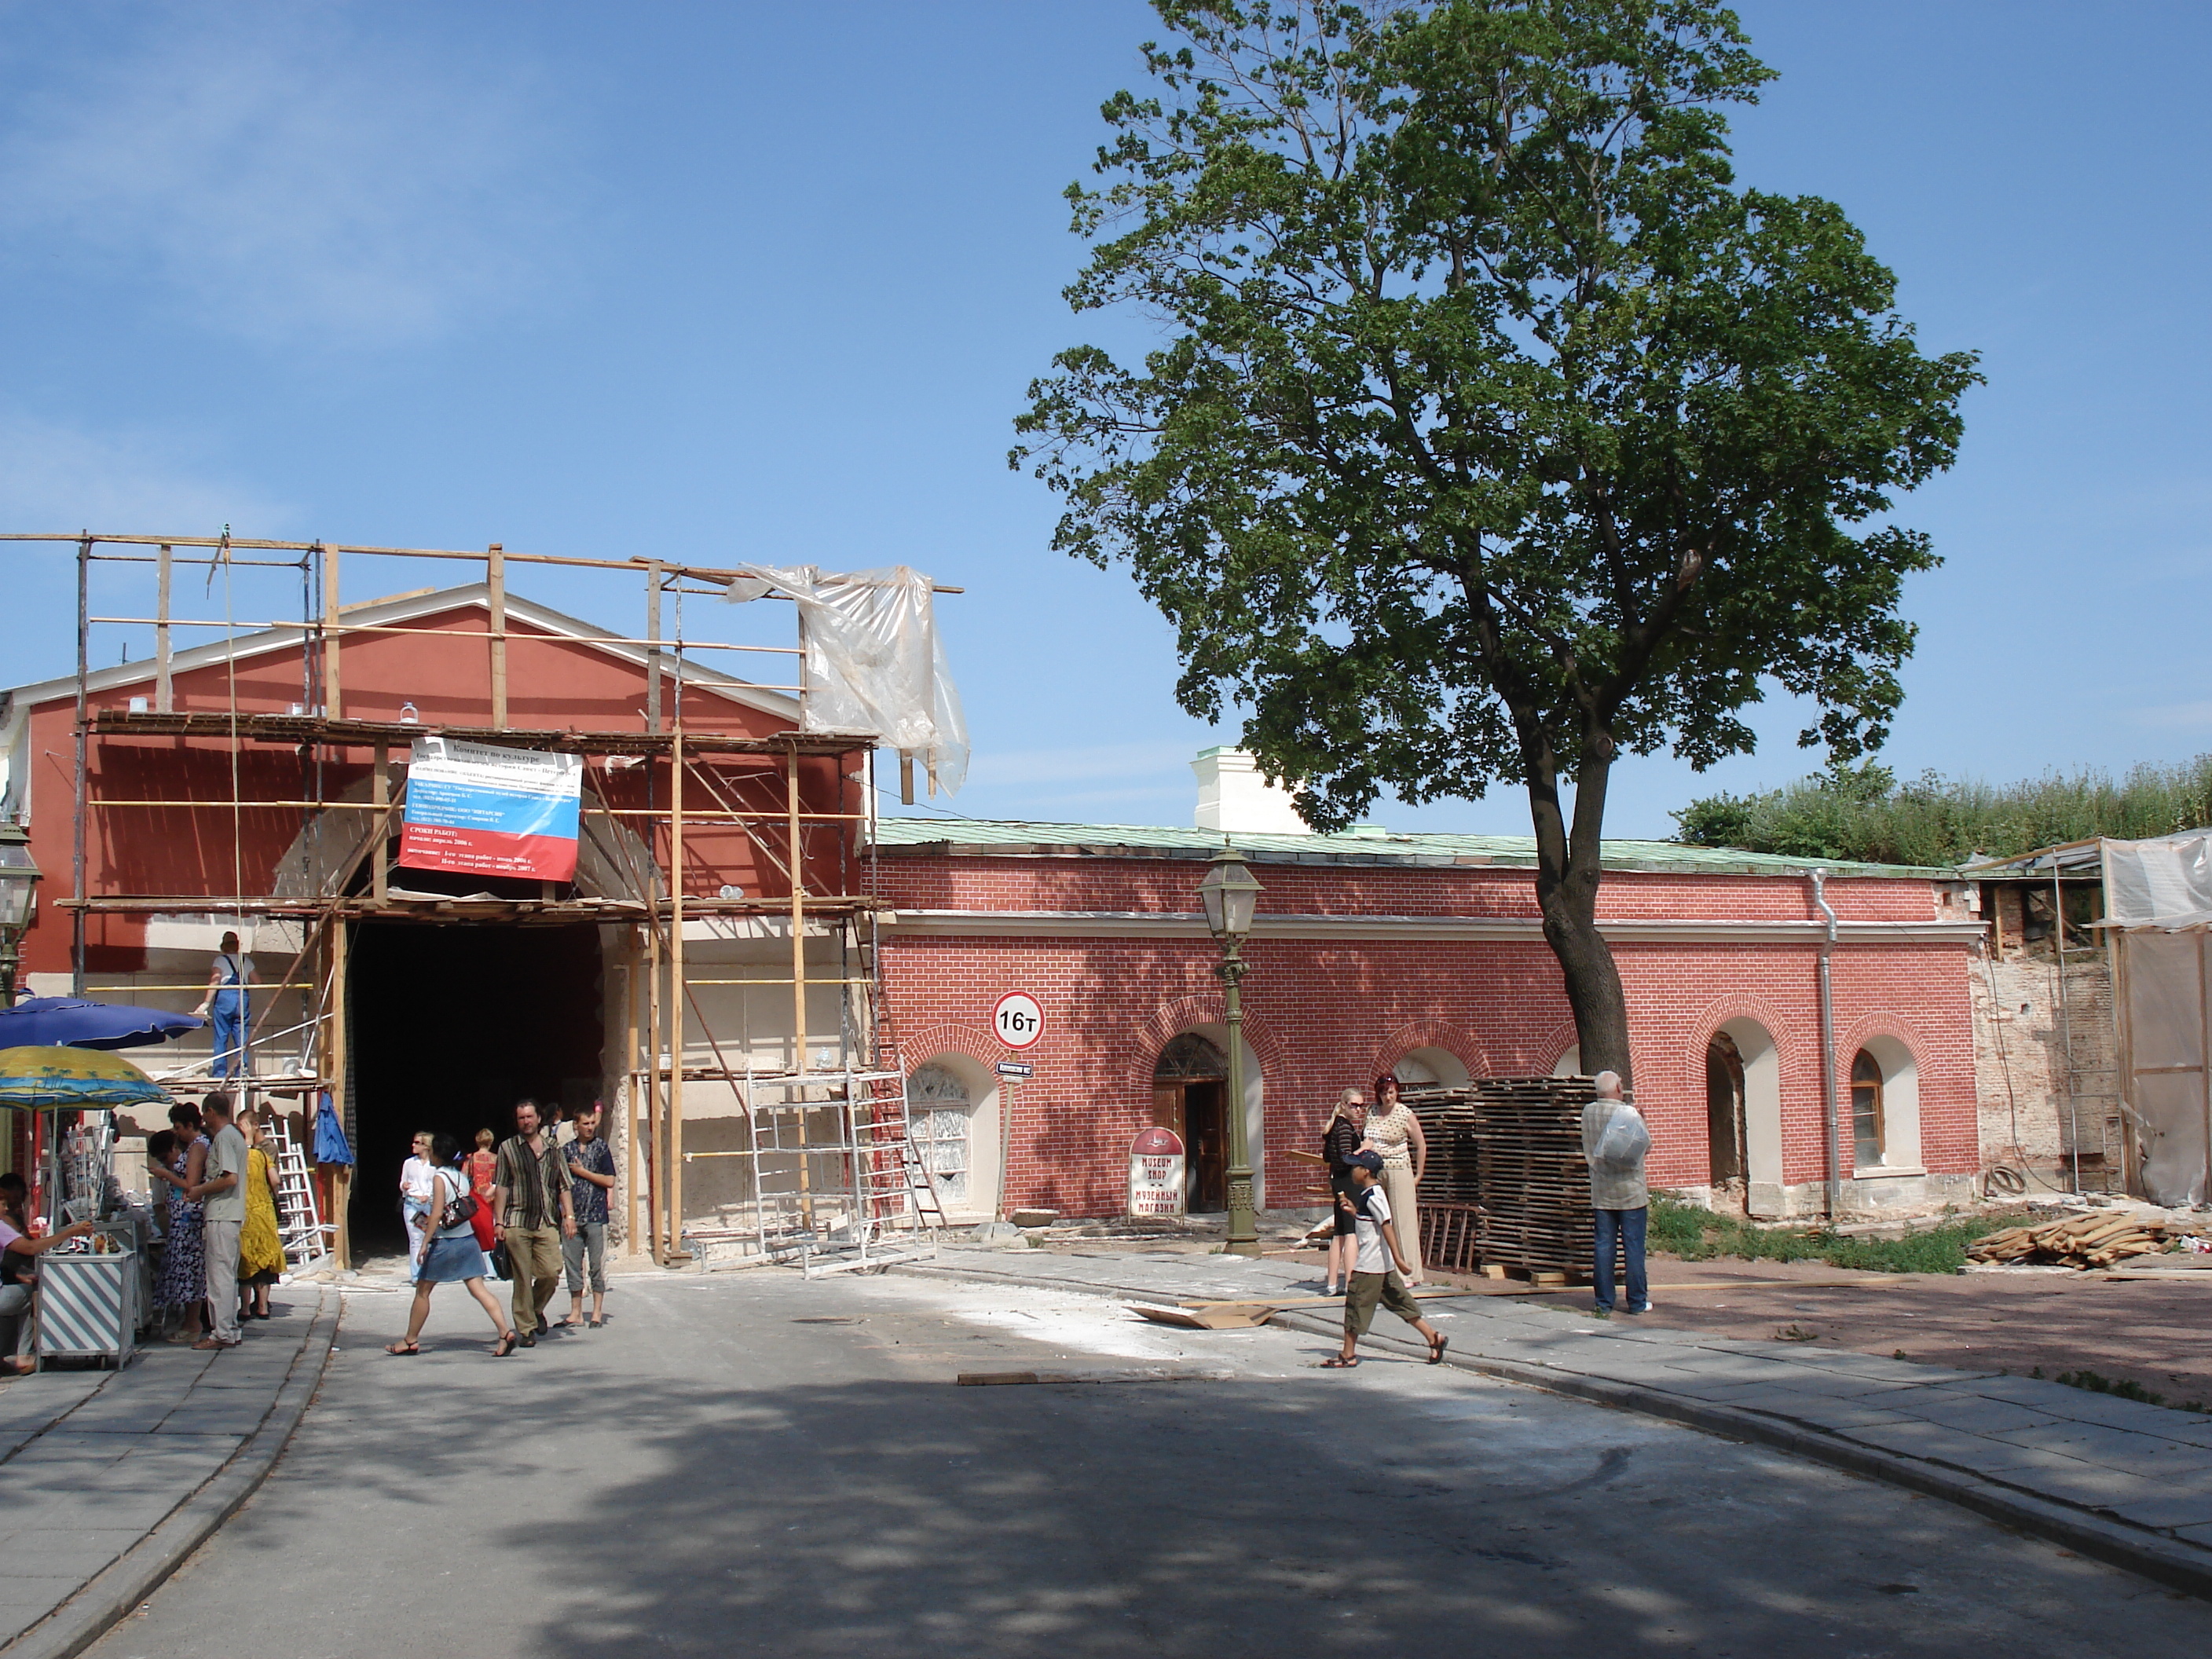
<point x="721" y="1471"/>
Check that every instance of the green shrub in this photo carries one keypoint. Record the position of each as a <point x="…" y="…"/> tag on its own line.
<point x="1862" y="814"/>
<point x="1700" y="1235"/>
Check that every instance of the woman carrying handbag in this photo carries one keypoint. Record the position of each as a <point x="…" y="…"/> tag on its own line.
<point x="450" y="1252"/>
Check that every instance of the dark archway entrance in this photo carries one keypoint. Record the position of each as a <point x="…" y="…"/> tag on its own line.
<point x="450" y="1026"/>
<point x="1190" y="1095"/>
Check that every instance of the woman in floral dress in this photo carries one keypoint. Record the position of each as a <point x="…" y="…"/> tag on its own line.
<point x="183" y="1283"/>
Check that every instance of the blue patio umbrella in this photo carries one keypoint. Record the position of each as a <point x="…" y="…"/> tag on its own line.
<point x="74" y="1022"/>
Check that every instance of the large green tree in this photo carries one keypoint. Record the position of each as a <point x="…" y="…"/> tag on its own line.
<point x="1495" y="433"/>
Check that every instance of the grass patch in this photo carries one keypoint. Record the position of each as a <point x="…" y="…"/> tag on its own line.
<point x="2125" y="1388"/>
<point x="1698" y="1235"/>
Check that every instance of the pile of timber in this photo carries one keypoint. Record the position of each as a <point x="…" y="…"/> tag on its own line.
<point x="1506" y="1174"/>
<point x="2088" y="1241"/>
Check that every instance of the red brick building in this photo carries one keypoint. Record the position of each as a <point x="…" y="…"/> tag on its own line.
<point x="1423" y="954"/>
<point x="1374" y="952"/>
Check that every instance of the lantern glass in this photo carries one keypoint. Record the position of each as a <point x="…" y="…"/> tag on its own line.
<point x="1231" y="894"/>
<point x="19" y="878"/>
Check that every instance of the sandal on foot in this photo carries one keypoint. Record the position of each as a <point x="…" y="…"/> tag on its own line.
<point x="403" y="1347"/>
<point x="1436" y="1350"/>
<point x="596" y="1323"/>
<point x="1337" y="1362"/>
<point x="507" y="1341"/>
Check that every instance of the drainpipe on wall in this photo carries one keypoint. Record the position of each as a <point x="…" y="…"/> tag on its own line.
<point x="1828" y="1046"/>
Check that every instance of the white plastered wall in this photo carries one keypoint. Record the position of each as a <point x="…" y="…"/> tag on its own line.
<point x="1762" y="1117"/>
<point x="985" y="1156"/>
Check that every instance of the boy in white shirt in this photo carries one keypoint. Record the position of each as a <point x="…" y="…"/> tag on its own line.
<point x="1376" y="1271"/>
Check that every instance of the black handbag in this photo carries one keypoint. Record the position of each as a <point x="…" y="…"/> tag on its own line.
<point x="501" y="1266"/>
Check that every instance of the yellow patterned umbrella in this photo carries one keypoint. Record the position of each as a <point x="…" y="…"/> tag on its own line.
<point x="72" y="1079"/>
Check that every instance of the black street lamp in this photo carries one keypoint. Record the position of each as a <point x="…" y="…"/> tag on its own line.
<point x="1231" y="896"/>
<point x="19" y="882"/>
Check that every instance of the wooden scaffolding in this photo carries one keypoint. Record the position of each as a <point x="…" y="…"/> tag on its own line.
<point x="830" y="1171"/>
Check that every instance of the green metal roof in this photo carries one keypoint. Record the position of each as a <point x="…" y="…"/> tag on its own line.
<point x="1363" y="845"/>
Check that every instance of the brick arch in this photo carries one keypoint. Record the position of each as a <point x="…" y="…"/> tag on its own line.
<point x="978" y="1043"/>
<point x="1455" y="1040"/>
<point x="1721" y="1010"/>
<point x="1173" y="1018"/>
<point x="1563" y="1036"/>
<point x="1850" y="1038"/>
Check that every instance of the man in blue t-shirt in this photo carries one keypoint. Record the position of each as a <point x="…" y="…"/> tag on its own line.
<point x="1376" y="1268"/>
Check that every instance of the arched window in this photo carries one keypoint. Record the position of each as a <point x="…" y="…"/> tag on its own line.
<point x="938" y="1108"/>
<point x="1866" y="1109"/>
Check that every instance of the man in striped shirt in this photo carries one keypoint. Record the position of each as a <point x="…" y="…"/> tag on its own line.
<point x="531" y="1212"/>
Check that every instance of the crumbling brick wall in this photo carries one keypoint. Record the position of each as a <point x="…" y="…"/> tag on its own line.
<point x="2020" y="1075"/>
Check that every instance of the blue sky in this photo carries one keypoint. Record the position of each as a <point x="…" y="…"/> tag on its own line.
<point x="739" y="281"/>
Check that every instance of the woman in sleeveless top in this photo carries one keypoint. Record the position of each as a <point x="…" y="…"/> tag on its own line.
<point x="1344" y="1133"/>
<point x="183" y="1283"/>
<point x="260" y="1244"/>
<point x="449" y="1254"/>
<point x="1394" y="1132"/>
<point x="482" y="1168"/>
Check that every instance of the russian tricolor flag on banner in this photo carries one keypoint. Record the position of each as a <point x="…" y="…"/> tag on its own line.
<point x="489" y="811"/>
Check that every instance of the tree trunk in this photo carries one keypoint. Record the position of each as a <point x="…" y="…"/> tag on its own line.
<point x="1568" y="871"/>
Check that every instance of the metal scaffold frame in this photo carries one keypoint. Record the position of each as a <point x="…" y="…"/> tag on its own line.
<point x="834" y="1176"/>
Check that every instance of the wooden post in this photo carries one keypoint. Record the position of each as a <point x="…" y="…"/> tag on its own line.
<point x="495" y="579"/>
<point x="333" y="702"/>
<point x="799" y="978"/>
<point x="629" y="1091"/>
<point x="906" y="777"/>
<point x="797" y="916"/>
<point x="652" y="652"/>
<point x="334" y="1073"/>
<point x="676" y="996"/>
<point x="656" y="1133"/>
<point x="164" y="692"/>
<point x="379" y="797"/>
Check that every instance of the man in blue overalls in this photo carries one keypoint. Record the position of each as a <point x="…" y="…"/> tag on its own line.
<point x="229" y="1005"/>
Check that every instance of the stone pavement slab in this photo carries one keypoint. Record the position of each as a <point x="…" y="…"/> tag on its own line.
<point x="2115" y="1478"/>
<point x="98" y="1465"/>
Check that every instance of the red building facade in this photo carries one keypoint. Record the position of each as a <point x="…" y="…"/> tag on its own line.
<point x="1424" y="955"/>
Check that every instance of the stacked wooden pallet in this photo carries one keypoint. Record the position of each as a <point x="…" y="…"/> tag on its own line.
<point x="1528" y="1138"/>
<point x="1511" y="1148"/>
<point x="2089" y="1241"/>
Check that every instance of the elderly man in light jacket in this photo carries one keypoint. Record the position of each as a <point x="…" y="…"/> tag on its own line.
<point x="1614" y="1142"/>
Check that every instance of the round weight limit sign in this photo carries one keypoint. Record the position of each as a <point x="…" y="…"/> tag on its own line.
<point x="1018" y="1020"/>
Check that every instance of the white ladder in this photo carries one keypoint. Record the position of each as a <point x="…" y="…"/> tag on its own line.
<point x="299" y="1220"/>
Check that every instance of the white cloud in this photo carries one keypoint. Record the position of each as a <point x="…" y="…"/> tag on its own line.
<point x="286" y="173"/>
<point x="54" y="478"/>
<point x="2190" y="716"/>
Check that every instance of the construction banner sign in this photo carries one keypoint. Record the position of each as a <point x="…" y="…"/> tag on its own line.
<point x="487" y="811"/>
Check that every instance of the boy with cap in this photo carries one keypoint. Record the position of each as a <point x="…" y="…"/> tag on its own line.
<point x="1376" y="1268"/>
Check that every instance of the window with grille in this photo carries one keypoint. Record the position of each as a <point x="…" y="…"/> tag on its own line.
<point x="938" y="1108"/>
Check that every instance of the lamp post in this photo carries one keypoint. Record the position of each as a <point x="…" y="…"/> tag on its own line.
<point x="19" y="881"/>
<point x="1231" y="896"/>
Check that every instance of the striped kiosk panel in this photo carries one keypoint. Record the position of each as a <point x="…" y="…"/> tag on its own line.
<point x="85" y="1306"/>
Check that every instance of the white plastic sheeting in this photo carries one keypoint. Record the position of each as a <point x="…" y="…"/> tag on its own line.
<point x="2158" y="900"/>
<point x="874" y="661"/>
<point x="2166" y="882"/>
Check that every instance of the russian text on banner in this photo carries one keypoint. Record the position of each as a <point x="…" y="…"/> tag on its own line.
<point x="489" y="811"/>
